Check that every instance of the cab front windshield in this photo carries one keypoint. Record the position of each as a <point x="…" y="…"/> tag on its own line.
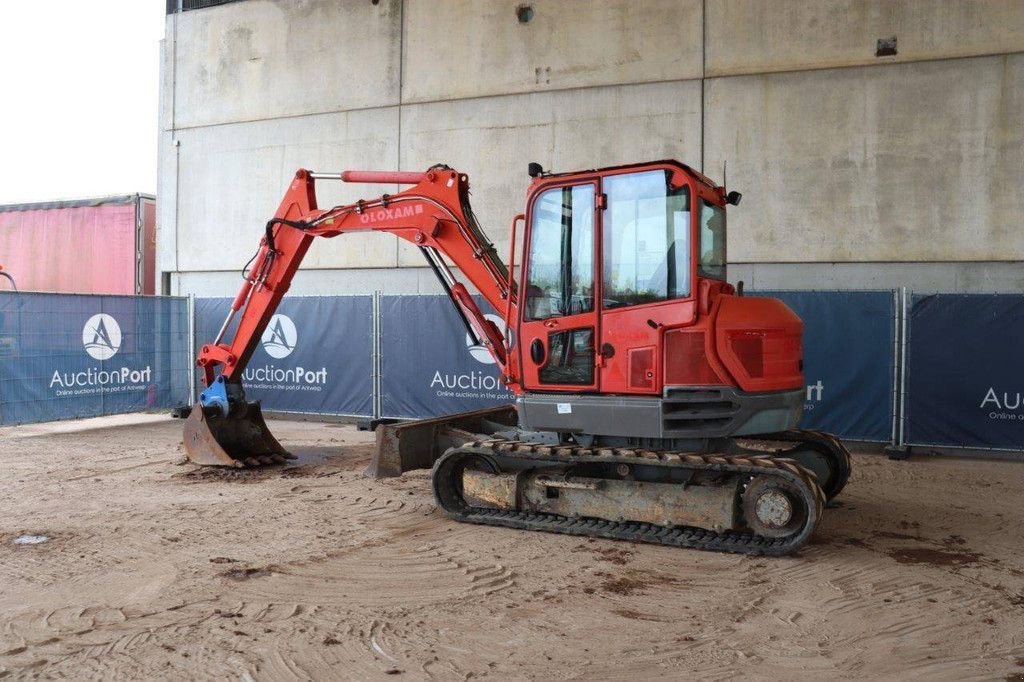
<point x="646" y="239"/>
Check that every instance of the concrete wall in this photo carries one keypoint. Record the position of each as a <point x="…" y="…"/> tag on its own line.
<point x="274" y="58"/>
<point x="926" y="167"/>
<point x="857" y="171"/>
<point x="567" y="44"/>
<point x="766" y="36"/>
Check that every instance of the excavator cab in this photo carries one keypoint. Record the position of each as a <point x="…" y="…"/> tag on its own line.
<point x="606" y="252"/>
<point x="653" y="403"/>
<point x="625" y="294"/>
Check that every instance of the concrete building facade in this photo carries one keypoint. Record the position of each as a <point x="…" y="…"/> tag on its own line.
<point x="859" y="168"/>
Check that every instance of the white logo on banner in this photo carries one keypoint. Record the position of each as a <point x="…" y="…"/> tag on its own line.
<point x="280" y="337"/>
<point x="1008" y="401"/>
<point x="101" y="337"/>
<point x="279" y="340"/>
<point x="478" y="383"/>
<point x="479" y="351"/>
<point x="814" y="395"/>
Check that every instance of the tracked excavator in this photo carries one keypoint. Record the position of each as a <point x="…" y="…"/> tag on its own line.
<point x="654" y="402"/>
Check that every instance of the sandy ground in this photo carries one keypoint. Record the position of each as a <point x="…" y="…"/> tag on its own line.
<point x="161" y="570"/>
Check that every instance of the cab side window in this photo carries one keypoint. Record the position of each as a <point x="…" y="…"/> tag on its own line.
<point x="560" y="277"/>
<point x="712" y="240"/>
<point x="570" y="358"/>
<point x="646" y="239"/>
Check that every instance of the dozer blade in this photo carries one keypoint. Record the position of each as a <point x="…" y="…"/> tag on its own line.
<point x="417" y="444"/>
<point x="238" y="440"/>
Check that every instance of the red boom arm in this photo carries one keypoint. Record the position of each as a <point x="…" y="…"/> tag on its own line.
<point x="434" y="215"/>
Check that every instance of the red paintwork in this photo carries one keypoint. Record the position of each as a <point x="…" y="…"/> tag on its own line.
<point x="511" y="284"/>
<point x="710" y="337"/>
<point x="769" y="326"/>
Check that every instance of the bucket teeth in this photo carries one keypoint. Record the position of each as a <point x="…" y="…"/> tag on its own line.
<point x="238" y="440"/>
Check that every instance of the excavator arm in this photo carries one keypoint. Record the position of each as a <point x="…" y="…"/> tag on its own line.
<point x="434" y="215"/>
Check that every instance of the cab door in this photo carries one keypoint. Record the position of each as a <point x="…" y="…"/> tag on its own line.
<point x="559" y="327"/>
<point x="647" y="277"/>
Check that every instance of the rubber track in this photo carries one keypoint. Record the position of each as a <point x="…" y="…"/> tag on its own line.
<point x="737" y="542"/>
<point x="820" y="440"/>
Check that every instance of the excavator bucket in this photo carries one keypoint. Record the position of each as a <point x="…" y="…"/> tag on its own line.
<point x="238" y="440"/>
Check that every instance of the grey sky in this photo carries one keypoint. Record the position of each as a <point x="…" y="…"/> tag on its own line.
<point x="79" y="89"/>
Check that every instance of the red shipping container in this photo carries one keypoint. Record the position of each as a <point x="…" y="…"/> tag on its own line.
<point x="89" y="246"/>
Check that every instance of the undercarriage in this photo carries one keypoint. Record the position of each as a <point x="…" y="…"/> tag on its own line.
<point x="762" y="495"/>
<point x="742" y="504"/>
<point x="747" y="496"/>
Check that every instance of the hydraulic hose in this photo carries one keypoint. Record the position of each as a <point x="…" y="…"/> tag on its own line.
<point x="13" y="284"/>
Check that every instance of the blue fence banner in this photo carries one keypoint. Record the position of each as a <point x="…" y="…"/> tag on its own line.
<point x="316" y="355"/>
<point x="429" y="366"/>
<point x="65" y="356"/>
<point x="965" y="380"/>
<point x="849" y="339"/>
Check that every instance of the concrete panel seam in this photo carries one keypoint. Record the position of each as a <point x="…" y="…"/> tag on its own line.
<point x="842" y="67"/>
<point x="286" y="117"/>
<point x="581" y="88"/>
<point x="703" y="77"/>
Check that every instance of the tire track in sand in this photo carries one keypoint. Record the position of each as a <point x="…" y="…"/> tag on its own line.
<point x="382" y="575"/>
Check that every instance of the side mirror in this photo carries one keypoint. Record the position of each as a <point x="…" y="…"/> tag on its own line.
<point x="534" y="169"/>
<point x="733" y="198"/>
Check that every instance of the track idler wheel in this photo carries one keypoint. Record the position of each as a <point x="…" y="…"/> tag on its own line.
<point x="238" y="440"/>
<point x="773" y="508"/>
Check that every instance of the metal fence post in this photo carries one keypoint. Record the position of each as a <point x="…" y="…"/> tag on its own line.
<point x="375" y="330"/>
<point x="897" y="307"/>
<point x="898" y="449"/>
<point x="905" y="293"/>
<point x="191" y="313"/>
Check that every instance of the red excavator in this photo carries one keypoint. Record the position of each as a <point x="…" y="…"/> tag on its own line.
<point x="654" y="402"/>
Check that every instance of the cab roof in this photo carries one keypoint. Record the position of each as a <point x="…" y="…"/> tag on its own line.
<point x="545" y="176"/>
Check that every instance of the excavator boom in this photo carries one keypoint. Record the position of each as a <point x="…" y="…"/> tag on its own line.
<point x="434" y="215"/>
